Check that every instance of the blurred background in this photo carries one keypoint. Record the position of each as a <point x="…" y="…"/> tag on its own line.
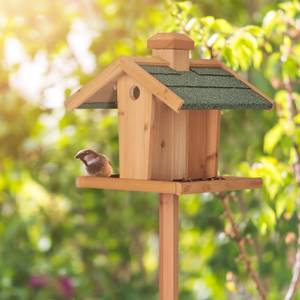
<point x="57" y="242"/>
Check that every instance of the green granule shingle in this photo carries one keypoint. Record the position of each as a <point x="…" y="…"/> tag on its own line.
<point x="201" y="88"/>
<point x="210" y="71"/>
<point x="220" y="98"/>
<point x="193" y="79"/>
<point x="102" y="105"/>
<point x="208" y="88"/>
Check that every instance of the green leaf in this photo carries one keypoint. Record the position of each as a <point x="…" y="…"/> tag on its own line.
<point x="223" y="26"/>
<point x="290" y="68"/>
<point x="272" y="138"/>
<point x="254" y="30"/>
<point x="257" y="59"/>
<point x="268" y="216"/>
<point x="208" y="21"/>
<point x="270" y="20"/>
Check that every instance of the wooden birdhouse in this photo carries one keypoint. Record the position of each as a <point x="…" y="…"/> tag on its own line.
<point x="169" y="129"/>
<point x="169" y="109"/>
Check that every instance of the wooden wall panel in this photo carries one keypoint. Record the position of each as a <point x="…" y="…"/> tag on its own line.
<point x="203" y="143"/>
<point x="180" y="155"/>
<point x="135" y="117"/>
<point x="197" y="135"/>
<point x="161" y="147"/>
<point x="168" y="154"/>
<point x="157" y="143"/>
<point x="212" y="142"/>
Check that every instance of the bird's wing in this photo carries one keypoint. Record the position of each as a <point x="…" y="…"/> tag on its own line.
<point x="93" y="161"/>
<point x="85" y="163"/>
<point x="103" y="156"/>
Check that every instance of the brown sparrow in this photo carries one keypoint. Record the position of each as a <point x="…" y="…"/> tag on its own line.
<point x="96" y="164"/>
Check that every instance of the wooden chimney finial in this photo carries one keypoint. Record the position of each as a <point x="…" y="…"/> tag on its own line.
<point x="172" y="47"/>
<point x="170" y="40"/>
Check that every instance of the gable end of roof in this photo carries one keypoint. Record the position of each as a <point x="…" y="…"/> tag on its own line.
<point x="207" y="85"/>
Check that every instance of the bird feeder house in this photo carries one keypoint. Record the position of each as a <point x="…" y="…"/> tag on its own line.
<point x="169" y="128"/>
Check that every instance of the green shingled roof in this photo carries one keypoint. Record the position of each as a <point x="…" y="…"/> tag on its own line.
<point x="202" y="88"/>
<point x="208" y="88"/>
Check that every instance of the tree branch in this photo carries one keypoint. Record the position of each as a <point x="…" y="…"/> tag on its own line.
<point x="240" y="241"/>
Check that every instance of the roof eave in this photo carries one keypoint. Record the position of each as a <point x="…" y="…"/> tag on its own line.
<point x="251" y="86"/>
<point x="130" y="66"/>
<point x="121" y="66"/>
<point x="109" y="74"/>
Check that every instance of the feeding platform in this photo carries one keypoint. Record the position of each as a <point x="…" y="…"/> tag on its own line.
<point x="224" y="183"/>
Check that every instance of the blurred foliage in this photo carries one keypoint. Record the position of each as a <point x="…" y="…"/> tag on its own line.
<point x="58" y="242"/>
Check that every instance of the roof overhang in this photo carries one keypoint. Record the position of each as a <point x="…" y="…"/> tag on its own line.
<point x="100" y="88"/>
<point x="100" y="92"/>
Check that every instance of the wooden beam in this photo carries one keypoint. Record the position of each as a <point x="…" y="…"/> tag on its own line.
<point x="158" y="61"/>
<point x="151" y="61"/>
<point x="107" y="94"/>
<point x="109" y="74"/>
<point x="229" y="183"/>
<point x="205" y="63"/>
<point x="103" y="83"/>
<point x="168" y="246"/>
<point x="149" y="82"/>
<point x="123" y="184"/>
<point x="215" y="186"/>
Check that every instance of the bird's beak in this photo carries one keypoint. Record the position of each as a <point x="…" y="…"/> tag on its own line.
<point x="78" y="155"/>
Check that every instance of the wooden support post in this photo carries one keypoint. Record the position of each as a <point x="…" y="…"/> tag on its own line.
<point x="168" y="247"/>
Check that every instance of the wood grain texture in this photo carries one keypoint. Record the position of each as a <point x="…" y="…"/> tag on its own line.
<point x="135" y="122"/>
<point x="212" y="142"/>
<point x="157" y="143"/>
<point x="105" y="95"/>
<point x="100" y="88"/>
<point x="168" y="143"/>
<point x="196" y="143"/>
<point x="215" y="186"/>
<point x="154" y="86"/>
<point x="123" y="184"/>
<point x="170" y="40"/>
<point x="177" y="59"/>
<point x="150" y="61"/>
<point x="180" y="154"/>
<point x="168" y="247"/>
<point x="205" y="63"/>
<point x="86" y="92"/>
<point x="203" y="143"/>
<point x="229" y="183"/>
<point x="162" y="143"/>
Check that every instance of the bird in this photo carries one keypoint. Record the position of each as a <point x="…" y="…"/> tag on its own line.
<point x="96" y="164"/>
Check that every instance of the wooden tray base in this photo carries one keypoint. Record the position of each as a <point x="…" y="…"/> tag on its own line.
<point x="225" y="183"/>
